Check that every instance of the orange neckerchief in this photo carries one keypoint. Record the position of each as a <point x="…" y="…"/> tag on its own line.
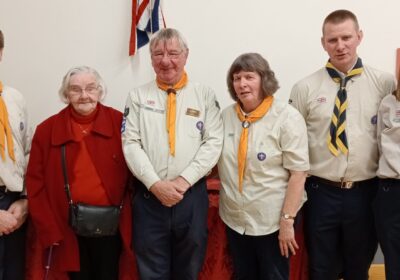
<point x="171" y="108"/>
<point x="5" y="130"/>
<point x="255" y="115"/>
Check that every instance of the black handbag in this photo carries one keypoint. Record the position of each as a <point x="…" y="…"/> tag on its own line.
<point x="90" y="220"/>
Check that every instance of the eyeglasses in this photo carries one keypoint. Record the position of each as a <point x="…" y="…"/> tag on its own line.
<point x="76" y="90"/>
<point x="171" y="55"/>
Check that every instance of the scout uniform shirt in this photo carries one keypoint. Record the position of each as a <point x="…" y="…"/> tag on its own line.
<point x="277" y="143"/>
<point x="314" y="97"/>
<point x="198" y="133"/>
<point x="389" y="138"/>
<point x="12" y="173"/>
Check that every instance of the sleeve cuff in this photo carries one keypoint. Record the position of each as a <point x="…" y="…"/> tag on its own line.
<point x="191" y="176"/>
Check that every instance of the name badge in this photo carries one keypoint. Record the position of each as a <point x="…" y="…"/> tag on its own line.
<point x="192" y="112"/>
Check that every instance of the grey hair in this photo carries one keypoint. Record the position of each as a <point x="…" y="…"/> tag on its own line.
<point x="168" y="34"/>
<point x="62" y="92"/>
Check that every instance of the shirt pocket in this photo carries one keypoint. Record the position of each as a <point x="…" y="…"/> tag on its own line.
<point x="194" y="126"/>
<point x="264" y="155"/>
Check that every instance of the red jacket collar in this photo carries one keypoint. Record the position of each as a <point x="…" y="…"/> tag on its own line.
<point x="62" y="131"/>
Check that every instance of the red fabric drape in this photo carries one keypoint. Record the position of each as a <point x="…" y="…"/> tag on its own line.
<point x="217" y="264"/>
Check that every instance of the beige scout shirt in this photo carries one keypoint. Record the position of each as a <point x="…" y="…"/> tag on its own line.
<point x="12" y="173"/>
<point x="389" y="138"/>
<point x="199" y="133"/>
<point x="277" y="143"/>
<point x="314" y="97"/>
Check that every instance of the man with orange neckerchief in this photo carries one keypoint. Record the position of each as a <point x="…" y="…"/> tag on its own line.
<point x="14" y="150"/>
<point x="172" y="137"/>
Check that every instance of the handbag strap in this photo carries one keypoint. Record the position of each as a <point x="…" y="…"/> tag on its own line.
<point x="66" y="182"/>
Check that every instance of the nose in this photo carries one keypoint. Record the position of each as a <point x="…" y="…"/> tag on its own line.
<point x="340" y="44"/>
<point x="165" y="59"/>
<point x="84" y="94"/>
<point x="242" y="82"/>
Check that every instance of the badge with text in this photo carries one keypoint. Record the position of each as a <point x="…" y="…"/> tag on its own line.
<point x="192" y="112"/>
<point x="150" y="102"/>
<point x="321" y="99"/>
<point x="396" y="119"/>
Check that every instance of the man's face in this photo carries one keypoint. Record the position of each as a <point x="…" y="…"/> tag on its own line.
<point x="168" y="60"/>
<point x="340" y="41"/>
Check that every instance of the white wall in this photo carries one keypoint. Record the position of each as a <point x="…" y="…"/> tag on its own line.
<point x="45" y="38"/>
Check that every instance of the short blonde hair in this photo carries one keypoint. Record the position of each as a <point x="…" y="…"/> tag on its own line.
<point x="340" y="16"/>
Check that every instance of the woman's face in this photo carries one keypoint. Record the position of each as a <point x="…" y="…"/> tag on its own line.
<point x="247" y="87"/>
<point x="83" y="93"/>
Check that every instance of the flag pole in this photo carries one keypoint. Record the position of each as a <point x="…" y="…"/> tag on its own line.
<point x="151" y="15"/>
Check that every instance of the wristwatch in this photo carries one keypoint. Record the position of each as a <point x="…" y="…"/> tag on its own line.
<point x="287" y="217"/>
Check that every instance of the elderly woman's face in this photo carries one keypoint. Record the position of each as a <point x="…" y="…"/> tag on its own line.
<point x="83" y="93"/>
<point x="247" y="87"/>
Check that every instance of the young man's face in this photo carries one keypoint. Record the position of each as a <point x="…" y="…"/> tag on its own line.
<point x="340" y="41"/>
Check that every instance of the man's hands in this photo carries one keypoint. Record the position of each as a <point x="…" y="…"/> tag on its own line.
<point x="170" y="193"/>
<point x="14" y="217"/>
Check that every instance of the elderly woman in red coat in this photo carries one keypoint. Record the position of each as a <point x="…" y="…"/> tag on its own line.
<point x="97" y="175"/>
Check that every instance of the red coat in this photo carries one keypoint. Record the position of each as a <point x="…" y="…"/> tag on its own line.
<point x="48" y="204"/>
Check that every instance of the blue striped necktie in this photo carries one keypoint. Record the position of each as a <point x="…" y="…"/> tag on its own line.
<point x="337" y="140"/>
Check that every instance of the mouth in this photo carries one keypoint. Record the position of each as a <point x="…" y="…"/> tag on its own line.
<point x="244" y="93"/>
<point x="341" y="55"/>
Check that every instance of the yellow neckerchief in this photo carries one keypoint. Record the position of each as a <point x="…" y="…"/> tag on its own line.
<point x="5" y="130"/>
<point x="255" y="115"/>
<point x="171" y="108"/>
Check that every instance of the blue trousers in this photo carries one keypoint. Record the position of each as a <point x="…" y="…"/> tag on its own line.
<point x="387" y="219"/>
<point x="339" y="230"/>
<point x="257" y="257"/>
<point x="170" y="242"/>
<point x="12" y="246"/>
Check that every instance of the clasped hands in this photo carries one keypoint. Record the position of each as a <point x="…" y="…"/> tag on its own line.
<point x="170" y="192"/>
<point x="14" y="217"/>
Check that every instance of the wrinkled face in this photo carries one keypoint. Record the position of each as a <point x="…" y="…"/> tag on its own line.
<point x="168" y="60"/>
<point x="247" y="86"/>
<point x="83" y="93"/>
<point x="340" y="41"/>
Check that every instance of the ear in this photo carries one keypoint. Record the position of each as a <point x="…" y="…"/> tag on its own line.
<point x="323" y="42"/>
<point x="360" y="35"/>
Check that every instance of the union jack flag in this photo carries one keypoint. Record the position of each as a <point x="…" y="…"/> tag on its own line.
<point x="147" y="18"/>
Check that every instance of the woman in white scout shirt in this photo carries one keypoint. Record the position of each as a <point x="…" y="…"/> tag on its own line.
<point x="262" y="169"/>
<point x="387" y="206"/>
